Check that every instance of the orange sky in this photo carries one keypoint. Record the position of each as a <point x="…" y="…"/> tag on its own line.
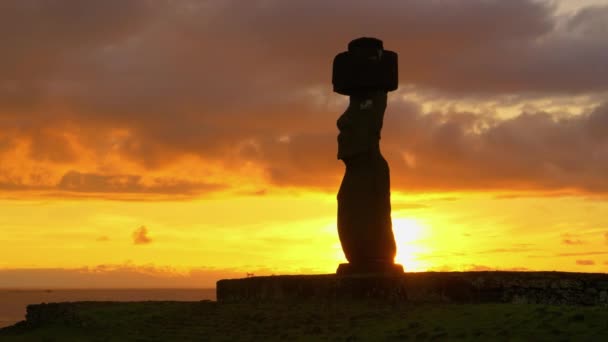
<point x="172" y="144"/>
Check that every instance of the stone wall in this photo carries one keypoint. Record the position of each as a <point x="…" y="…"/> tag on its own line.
<point x="458" y="287"/>
<point x="59" y="313"/>
<point x="470" y="287"/>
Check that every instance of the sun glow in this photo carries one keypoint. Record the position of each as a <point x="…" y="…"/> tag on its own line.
<point x="409" y="234"/>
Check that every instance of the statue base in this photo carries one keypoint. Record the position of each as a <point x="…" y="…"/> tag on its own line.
<point x="373" y="268"/>
<point x="449" y="287"/>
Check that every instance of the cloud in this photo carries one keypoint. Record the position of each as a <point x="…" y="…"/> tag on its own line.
<point x="581" y="254"/>
<point x="572" y="242"/>
<point x="140" y="236"/>
<point x="452" y="151"/>
<point x="517" y="249"/>
<point x="129" y="89"/>
<point x="102" y="238"/>
<point x="408" y="206"/>
<point x="479" y="268"/>
<point x="572" y="239"/>
<point x="585" y="262"/>
<point x="532" y="150"/>
<point x="462" y="151"/>
<point x="194" y="56"/>
<point x="118" y="276"/>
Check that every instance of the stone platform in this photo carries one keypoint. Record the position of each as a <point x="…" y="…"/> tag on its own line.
<point x="464" y="287"/>
<point x="386" y="269"/>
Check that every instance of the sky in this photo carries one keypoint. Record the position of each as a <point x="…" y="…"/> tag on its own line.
<point x="175" y="143"/>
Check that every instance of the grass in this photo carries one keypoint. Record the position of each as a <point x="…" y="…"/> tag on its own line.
<point x="313" y="321"/>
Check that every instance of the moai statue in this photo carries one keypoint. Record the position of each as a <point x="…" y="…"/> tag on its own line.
<point x="365" y="73"/>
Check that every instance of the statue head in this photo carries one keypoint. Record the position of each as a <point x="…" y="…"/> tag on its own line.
<point x="365" y="67"/>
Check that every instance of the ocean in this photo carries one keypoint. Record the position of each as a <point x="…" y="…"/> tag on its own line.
<point x="13" y="302"/>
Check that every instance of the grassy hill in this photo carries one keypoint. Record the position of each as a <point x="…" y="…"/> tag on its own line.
<point x="307" y="321"/>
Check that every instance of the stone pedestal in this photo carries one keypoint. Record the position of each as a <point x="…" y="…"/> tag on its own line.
<point x="381" y="269"/>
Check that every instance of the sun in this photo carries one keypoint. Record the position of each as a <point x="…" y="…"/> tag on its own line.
<point x="409" y="234"/>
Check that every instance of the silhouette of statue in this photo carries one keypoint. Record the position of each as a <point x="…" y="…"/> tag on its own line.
<point x="366" y="72"/>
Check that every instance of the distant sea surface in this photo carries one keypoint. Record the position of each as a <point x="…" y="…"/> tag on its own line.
<point x="13" y="302"/>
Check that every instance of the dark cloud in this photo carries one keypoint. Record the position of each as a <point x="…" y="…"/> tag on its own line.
<point x="195" y="58"/>
<point x="449" y="151"/>
<point x="38" y="35"/>
<point x="140" y="236"/>
<point x="232" y="82"/>
<point x="92" y="182"/>
<point x="75" y="182"/>
<point x="530" y="151"/>
<point x="16" y="186"/>
<point x="585" y="262"/>
<point x="438" y="41"/>
<point x="426" y="151"/>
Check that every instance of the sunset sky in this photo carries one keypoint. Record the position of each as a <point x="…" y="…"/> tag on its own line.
<point x="173" y="143"/>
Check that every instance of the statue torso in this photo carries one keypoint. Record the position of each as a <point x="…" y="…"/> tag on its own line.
<point x="360" y="125"/>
